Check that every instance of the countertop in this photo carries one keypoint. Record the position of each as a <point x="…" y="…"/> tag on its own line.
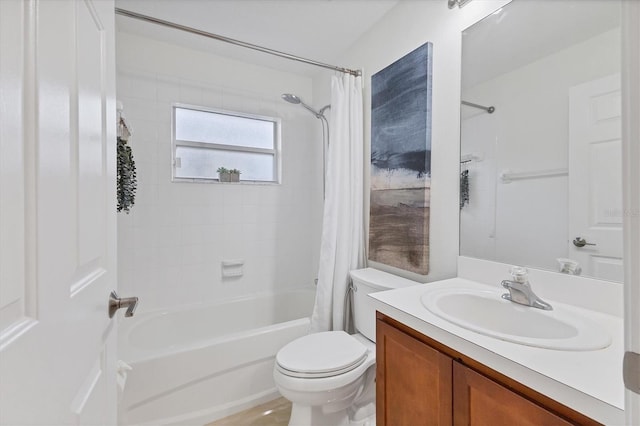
<point x="589" y="382"/>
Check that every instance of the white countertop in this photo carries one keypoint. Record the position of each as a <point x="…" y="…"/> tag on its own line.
<point x="589" y="382"/>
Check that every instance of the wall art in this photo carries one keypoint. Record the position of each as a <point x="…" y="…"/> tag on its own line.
<point x="401" y="162"/>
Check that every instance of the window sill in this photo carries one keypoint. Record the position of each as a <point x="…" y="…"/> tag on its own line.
<point x="217" y="182"/>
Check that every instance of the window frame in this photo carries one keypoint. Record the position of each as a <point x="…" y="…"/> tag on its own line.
<point x="276" y="151"/>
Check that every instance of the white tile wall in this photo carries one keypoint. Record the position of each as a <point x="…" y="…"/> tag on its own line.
<point x="172" y="243"/>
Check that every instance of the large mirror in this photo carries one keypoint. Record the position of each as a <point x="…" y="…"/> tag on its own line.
<point x="541" y="181"/>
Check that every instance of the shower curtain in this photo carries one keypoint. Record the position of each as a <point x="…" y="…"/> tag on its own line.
<point x="342" y="244"/>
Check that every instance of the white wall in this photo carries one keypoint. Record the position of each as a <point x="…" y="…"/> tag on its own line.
<point x="526" y="222"/>
<point x="407" y="26"/>
<point x="171" y="244"/>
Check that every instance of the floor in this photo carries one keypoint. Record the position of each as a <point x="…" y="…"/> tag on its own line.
<point x="272" y="413"/>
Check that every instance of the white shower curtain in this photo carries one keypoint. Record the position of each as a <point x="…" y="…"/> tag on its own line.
<point x="342" y="245"/>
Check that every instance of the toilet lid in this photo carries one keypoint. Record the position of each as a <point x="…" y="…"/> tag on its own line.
<point x="325" y="354"/>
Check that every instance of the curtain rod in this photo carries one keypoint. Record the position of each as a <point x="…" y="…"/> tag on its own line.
<point x="191" y="30"/>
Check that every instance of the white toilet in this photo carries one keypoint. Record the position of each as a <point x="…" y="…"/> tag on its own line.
<point x="330" y="376"/>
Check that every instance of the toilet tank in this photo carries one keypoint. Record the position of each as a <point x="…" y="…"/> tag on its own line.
<point x="367" y="281"/>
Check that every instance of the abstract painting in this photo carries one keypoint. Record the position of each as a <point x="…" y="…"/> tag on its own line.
<point x="401" y="162"/>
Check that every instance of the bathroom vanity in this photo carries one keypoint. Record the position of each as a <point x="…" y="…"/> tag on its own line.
<point x="431" y="368"/>
<point x="429" y="380"/>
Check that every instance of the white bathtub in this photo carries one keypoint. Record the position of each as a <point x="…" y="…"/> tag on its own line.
<point x="196" y="365"/>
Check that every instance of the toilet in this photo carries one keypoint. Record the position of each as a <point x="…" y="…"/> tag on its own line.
<point x="330" y="376"/>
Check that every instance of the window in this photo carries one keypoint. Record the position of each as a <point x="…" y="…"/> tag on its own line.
<point x="206" y="139"/>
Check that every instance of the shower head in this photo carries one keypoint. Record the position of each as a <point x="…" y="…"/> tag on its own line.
<point x="293" y="99"/>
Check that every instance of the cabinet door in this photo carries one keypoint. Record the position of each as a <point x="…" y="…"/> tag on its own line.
<point x="413" y="381"/>
<point x="478" y="400"/>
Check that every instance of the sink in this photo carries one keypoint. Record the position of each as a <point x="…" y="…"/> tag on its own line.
<point x="485" y="312"/>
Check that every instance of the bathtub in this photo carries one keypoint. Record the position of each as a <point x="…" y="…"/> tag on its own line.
<point x="198" y="364"/>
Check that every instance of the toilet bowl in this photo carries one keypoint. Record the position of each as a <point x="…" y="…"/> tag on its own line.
<point x="330" y="376"/>
<point x="324" y="374"/>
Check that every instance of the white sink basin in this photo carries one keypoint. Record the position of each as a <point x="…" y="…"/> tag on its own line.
<point x="486" y="313"/>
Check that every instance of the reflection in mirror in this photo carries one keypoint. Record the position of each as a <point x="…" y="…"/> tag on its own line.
<point x="541" y="181"/>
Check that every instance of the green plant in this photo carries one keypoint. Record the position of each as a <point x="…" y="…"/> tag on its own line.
<point x="127" y="182"/>
<point x="226" y="175"/>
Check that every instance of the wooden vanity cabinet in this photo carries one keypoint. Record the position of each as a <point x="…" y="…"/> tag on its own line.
<point x="419" y="381"/>
<point x="479" y="400"/>
<point x="413" y="381"/>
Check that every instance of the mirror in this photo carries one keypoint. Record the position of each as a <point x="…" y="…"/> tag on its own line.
<point x="541" y="181"/>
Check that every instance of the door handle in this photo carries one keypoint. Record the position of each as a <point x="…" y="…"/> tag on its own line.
<point x="115" y="303"/>
<point x="581" y="242"/>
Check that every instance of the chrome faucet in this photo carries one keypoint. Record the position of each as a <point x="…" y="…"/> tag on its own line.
<point x="520" y="290"/>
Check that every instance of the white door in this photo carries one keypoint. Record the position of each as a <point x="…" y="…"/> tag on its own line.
<point x="57" y="212"/>
<point x="595" y="178"/>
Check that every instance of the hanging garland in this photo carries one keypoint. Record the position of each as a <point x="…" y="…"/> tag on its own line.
<point x="127" y="182"/>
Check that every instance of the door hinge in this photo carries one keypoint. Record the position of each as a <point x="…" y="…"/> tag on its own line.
<point x="631" y="371"/>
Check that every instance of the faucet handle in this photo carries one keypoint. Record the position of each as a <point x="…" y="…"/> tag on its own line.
<point x="519" y="274"/>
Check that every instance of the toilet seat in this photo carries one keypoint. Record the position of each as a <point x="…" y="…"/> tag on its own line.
<point x="321" y="355"/>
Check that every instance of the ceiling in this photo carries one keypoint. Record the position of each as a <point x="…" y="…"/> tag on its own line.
<point x="321" y="30"/>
